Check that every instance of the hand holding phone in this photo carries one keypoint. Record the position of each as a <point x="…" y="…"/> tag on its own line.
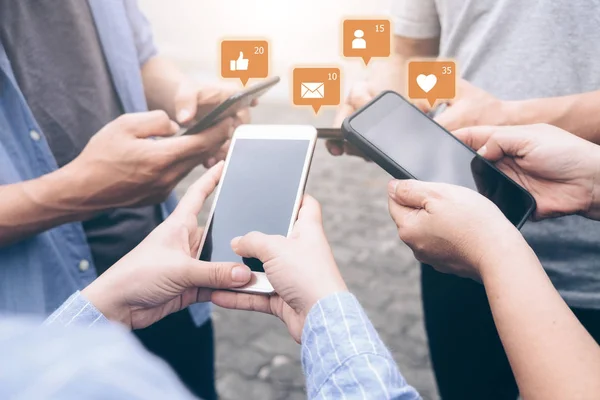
<point x="261" y="190"/>
<point x="230" y="107"/>
<point x="409" y="145"/>
<point x="302" y="270"/>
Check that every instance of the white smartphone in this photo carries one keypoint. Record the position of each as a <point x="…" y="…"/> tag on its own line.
<point x="261" y="189"/>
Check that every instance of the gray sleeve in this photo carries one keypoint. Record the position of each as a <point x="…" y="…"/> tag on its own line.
<point x="416" y="19"/>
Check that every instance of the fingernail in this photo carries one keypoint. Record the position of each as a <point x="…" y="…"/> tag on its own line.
<point x="240" y="274"/>
<point x="211" y="162"/>
<point x="392" y="188"/>
<point x="234" y="242"/>
<point x="482" y="151"/>
<point x="183" y="115"/>
<point x="174" y="126"/>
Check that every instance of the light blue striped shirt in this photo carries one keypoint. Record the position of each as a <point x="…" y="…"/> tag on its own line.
<point x="342" y="356"/>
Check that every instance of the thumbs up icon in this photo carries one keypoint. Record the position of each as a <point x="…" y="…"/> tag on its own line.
<point x="241" y="64"/>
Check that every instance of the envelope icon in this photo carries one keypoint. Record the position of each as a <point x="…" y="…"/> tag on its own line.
<point x="313" y="90"/>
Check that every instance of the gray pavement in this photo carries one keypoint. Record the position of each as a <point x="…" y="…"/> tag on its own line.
<point x="256" y="358"/>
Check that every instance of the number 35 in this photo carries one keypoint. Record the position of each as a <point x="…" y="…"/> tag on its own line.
<point x="446" y="70"/>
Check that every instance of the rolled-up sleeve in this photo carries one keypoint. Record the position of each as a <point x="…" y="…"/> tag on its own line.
<point x="142" y="32"/>
<point x="416" y="19"/>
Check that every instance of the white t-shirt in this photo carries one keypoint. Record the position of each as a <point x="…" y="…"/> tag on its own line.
<point x="523" y="49"/>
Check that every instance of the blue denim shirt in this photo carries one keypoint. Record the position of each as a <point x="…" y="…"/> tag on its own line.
<point x="38" y="274"/>
<point x="342" y="357"/>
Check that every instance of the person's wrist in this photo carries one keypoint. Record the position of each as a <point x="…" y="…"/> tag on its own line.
<point x="106" y="296"/>
<point x="61" y="194"/>
<point x="508" y="245"/>
<point x="322" y="292"/>
<point x="513" y="112"/>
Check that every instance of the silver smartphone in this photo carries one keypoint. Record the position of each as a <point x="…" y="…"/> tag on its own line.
<point x="260" y="190"/>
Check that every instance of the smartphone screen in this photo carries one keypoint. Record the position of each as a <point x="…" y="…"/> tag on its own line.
<point x="259" y="192"/>
<point x="429" y="153"/>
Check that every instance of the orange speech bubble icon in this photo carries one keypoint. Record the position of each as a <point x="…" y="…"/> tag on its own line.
<point x="432" y="80"/>
<point x="316" y="87"/>
<point x="367" y="38"/>
<point x="244" y="59"/>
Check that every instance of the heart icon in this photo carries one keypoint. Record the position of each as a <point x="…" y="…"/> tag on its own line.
<point x="427" y="82"/>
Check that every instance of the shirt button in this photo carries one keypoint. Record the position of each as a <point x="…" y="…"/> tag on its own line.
<point x="34" y="135"/>
<point x="84" y="265"/>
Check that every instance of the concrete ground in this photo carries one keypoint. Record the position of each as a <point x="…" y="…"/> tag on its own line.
<point x="256" y="358"/>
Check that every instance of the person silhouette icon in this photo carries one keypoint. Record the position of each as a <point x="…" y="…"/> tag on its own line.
<point x="359" y="42"/>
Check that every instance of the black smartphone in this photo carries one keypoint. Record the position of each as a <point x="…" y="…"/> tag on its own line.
<point x="409" y="145"/>
<point x="231" y="106"/>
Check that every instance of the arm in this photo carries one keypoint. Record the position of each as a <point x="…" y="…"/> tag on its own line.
<point x="117" y="168"/>
<point x="343" y="356"/>
<point x="576" y="113"/>
<point x="167" y="276"/>
<point x="162" y="82"/>
<point x="417" y="35"/>
<point x="550" y="352"/>
<point x="458" y="231"/>
<point x="36" y="205"/>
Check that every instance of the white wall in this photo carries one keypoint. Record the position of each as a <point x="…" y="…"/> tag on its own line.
<point x="299" y="31"/>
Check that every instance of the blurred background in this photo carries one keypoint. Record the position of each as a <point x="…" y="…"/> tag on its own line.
<point x="256" y="358"/>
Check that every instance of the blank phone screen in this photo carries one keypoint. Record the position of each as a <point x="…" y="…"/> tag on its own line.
<point x="258" y="193"/>
<point x="429" y="153"/>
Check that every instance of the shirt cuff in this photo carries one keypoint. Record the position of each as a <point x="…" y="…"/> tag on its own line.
<point x="77" y="310"/>
<point x="336" y="330"/>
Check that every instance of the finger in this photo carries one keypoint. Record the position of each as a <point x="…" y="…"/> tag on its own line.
<point x="242" y="301"/>
<point x="451" y="118"/>
<point x="398" y="212"/>
<point x="193" y="200"/>
<point x="410" y="193"/>
<point x="335" y="147"/>
<point x="205" y="142"/>
<point x="221" y="154"/>
<point x="258" y="245"/>
<point x="148" y="124"/>
<point x="242" y="117"/>
<point x="202" y="274"/>
<point x="360" y="94"/>
<point x="186" y="103"/>
<point x="494" y="142"/>
<point x="310" y="211"/>
<point x="422" y="105"/>
<point x="344" y="111"/>
<point x="475" y="137"/>
<point x="351" y="150"/>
